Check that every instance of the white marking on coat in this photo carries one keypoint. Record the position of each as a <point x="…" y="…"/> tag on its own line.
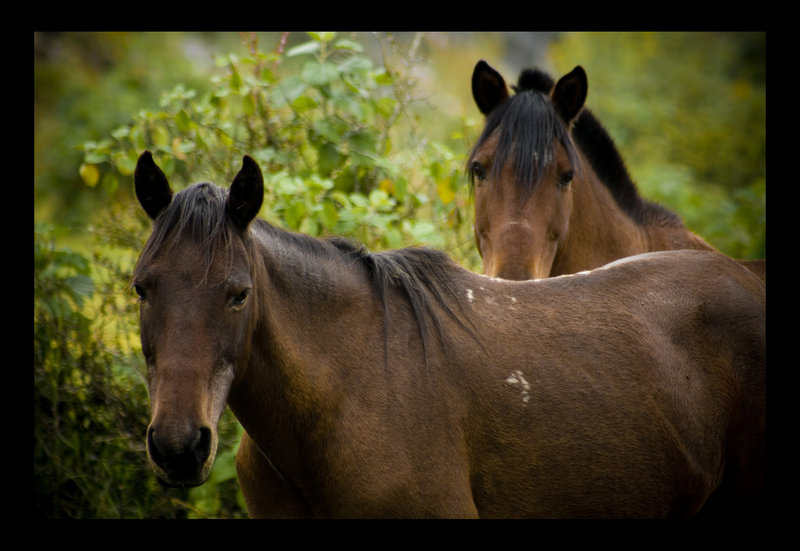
<point x="517" y="378"/>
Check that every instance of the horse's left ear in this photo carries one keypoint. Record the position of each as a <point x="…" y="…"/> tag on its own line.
<point x="152" y="188"/>
<point x="246" y="194"/>
<point x="569" y="94"/>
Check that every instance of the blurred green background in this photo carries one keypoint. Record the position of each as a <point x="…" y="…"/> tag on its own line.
<point x="361" y="134"/>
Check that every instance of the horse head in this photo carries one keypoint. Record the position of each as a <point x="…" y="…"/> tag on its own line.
<point x="194" y="284"/>
<point x="522" y="169"/>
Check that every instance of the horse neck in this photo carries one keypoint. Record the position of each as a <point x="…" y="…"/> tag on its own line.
<point x="602" y="231"/>
<point x="311" y="314"/>
<point x="599" y="230"/>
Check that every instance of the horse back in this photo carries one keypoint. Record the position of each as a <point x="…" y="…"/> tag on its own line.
<point x="647" y="375"/>
<point x="714" y="316"/>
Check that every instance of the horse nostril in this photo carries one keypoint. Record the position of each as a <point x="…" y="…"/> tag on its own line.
<point x="152" y="447"/>
<point x="202" y="446"/>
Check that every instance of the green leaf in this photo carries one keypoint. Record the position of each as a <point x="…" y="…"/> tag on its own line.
<point x="329" y="215"/>
<point x="110" y="183"/>
<point x="121" y="133"/>
<point x="236" y="80"/>
<point x="326" y="130"/>
<point x="289" y="90"/>
<point x="328" y="159"/>
<point x="383" y="78"/>
<point x="319" y="74"/>
<point x="80" y="284"/>
<point x="302" y="49"/>
<point x="351" y="106"/>
<point x="183" y="121"/>
<point x="125" y="165"/>
<point x="347" y="44"/>
<point x="89" y="174"/>
<point x="249" y="105"/>
<point x="386" y="106"/>
<point x="303" y="104"/>
<point x="322" y="36"/>
<point x="355" y="63"/>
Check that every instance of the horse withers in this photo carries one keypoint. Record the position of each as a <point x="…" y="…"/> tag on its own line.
<point x="552" y="193"/>
<point x="397" y="384"/>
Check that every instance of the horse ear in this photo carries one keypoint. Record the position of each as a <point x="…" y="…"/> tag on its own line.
<point x="488" y="87"/>
<point x="570" y="93"/>
<point x="152" y="188"/>
<point x="246" y="194"/>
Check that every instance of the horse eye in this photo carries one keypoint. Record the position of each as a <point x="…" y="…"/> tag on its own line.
<point x="477" y="171"/>
<point x="239" y="300"/>
<point x="140" y="292"/>
<point x="566" y="178"/>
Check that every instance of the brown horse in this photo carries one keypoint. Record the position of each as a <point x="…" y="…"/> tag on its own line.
<point x="552" y="193"/>
<point x="398" y="384"/>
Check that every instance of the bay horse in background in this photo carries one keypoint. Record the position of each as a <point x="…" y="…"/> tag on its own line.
<point x="552" y="193"/>
<point x="397" y="384"/>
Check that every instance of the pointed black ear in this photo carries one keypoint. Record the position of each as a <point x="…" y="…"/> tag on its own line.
<point x="570" y="93"/>
<point x="488" y="87"/>
<point x="152" y="188"/>
<point x="246" y="194"/>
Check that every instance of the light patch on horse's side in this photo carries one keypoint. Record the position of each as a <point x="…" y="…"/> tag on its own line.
<point x="584" y="272"/>
<point x="470" y="296"/>
<point x="496" y="279"/>
<point x="516" y="378"/>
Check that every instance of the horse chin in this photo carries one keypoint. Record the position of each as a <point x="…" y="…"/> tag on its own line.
<point x="182" y="480"/>
<point x="166" y="484"/>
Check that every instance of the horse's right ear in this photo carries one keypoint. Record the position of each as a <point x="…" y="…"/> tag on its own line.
<point x="152" y="188"/>
<point x="488" y="87"/>
<point x="570" y="93"/>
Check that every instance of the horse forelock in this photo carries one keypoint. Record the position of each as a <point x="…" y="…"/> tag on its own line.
<point x="528" y="132"/>
<point x="195" y="215"/>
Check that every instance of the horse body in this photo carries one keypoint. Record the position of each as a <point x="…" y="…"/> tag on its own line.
<point x="552" y="193"/>
<point x="462" y="433"/>
<point x="400" y="385"/>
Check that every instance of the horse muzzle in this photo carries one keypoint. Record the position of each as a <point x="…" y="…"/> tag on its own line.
<point x="181" y="458"/>
<point x="512" y="256"/>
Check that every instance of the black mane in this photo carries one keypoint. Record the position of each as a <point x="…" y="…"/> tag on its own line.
<point x="417" y="273"/>
<point x="604" y="157"/>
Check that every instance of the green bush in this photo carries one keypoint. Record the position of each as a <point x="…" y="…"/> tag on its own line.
<point x="90" y="411"/>
<point x="330" y="131"/>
